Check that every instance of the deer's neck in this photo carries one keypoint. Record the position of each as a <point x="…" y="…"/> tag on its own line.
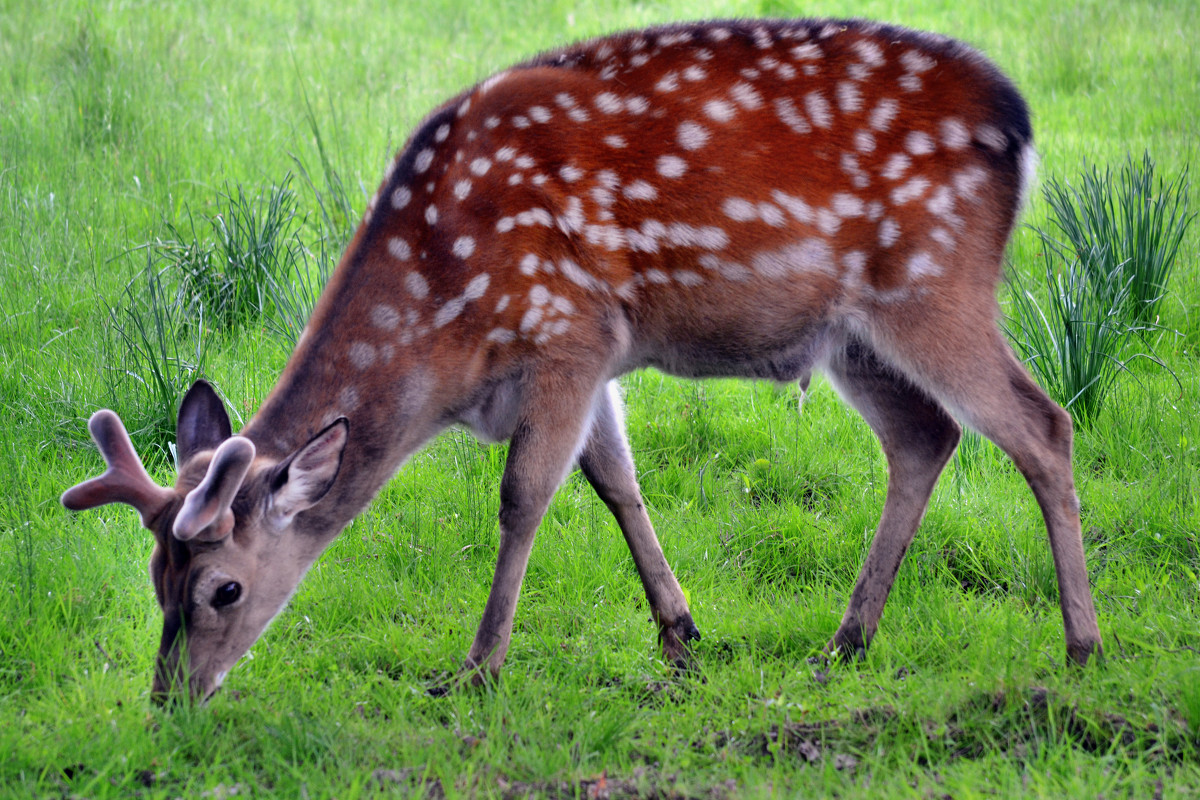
<point x="345" y="366"/>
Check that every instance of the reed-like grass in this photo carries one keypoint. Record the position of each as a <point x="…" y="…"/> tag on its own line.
<point x="1124" y="229"/>
<point x="1094" y="301"/>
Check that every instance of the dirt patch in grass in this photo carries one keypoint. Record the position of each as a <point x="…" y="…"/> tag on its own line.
<point x="1015" y="724"/>
<point x="644" y="783"/>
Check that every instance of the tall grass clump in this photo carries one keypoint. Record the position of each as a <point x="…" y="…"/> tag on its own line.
<point x="1102" y="285"/>
<point x="1073" y="341"/>
<point x="252" y="242"/>
<point x="162" y="344"/>
<point x="1126" y="228"/>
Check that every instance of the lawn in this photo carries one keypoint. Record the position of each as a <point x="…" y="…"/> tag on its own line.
<point x="127" y="128"/>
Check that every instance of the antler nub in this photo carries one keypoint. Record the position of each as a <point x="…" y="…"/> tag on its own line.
<point x="125" y="480"/>
<point x="206" y="512"/>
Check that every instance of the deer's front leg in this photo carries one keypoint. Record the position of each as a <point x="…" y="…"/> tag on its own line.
<point x="608" y="466"/>
<point x="556" y="412"/>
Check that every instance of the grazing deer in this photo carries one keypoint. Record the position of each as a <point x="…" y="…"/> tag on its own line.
<point x="740" y="198"/>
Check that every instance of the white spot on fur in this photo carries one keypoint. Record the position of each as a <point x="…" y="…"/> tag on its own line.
<point x="671" y="166"/>
<point x="480" y="166"/>
<point x="531" y="318"/>
<point x="854" y="262"/>
<point x="668" y="82"/>
<point x="477" y="286"/>
<point x="422" y="161"/>
<point x="847" y="205"/>
<point x="746" y="96"/>
<point x="399" y="249"/>
<point x="500" y="336"/>
<point x="849" y="97"/>
<point x="449" y="312"/>
<point x="809" y="255"/>
<point x="869" y="52"/>
<point x="719" y="110"/>
<point x="919" y="143"/>
<point x="385" y="317"/>
<point x="570" y="173"/>
<point x="818" y="109"/>
<point x="615" y="142"/>
<point x="955" y="135"/>
<point x="941" y="203"/>
<point x="943" y="237"/>
<point x="739" y="209"/>
<point x="640" y="190"/>
<point x="772" y="215"/>
<point x="692" y="135"/>
<point x="889" y="232"/>
<point x="922" y="265"/>
<point x="884" y="112"/>
<point x="828" y="222"/>
<point x="909" y="191"/>
<point x="785" y="109"/>
<point x="608" y="102"/>
<point x="361" y="355"/>
<point x="968" y="182"/>
<point x="916" y="61"/>
<point x="416" y="284"/>
<point x="895" y="167"/>
<point x="431" y="215"/>
<point x="462" y="188"/>
<point x="572" y="219"/>
<point x="807" y="52"/>
<point x="401" y="197"/>
<point x="464" y="246"/>
<point x="799" y="209"/>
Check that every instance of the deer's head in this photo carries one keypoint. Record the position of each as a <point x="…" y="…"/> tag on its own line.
<point x="228" y="553"/>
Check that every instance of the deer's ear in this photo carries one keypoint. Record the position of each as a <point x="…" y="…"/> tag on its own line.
<point x="304" y="477"/>
<point x="206" y="513"/>
<point x="203" y="423"/>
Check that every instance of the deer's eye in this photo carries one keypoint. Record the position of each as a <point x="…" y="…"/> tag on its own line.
<point x="227" y="594"/>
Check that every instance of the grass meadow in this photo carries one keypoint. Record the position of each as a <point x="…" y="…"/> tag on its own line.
<point x="127" y="128"/>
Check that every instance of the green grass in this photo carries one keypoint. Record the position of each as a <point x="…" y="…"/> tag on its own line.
<point x="118" y="121"/>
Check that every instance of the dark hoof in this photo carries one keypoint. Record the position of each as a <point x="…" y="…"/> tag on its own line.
<point x="674" y="640"/>
<point x="846" y="649"/>
<point x="1082" y="652"/>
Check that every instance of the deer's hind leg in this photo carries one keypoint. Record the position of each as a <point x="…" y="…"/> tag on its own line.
<point x="971" y="369"/>
<point x="608" y="466"/>
<point x="918" y="437"/>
